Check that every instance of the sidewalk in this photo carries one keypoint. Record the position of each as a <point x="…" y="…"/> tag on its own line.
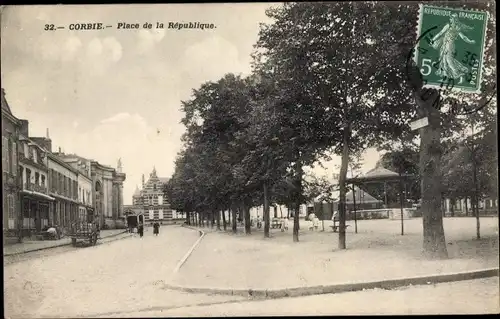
<point x="378" y="252"/>
<point x="34" y="245"/>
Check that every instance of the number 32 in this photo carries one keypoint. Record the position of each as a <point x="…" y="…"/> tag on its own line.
<point x="49" y="27"/>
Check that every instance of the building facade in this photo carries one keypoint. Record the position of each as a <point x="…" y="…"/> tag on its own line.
<point x="107" y="190"/>
<point x="150" y="200"/>
<point x="63" y="186"/>
<point x="36" y="203"/>
<point x="85" y="198"/>
<point x="11" y="182"/>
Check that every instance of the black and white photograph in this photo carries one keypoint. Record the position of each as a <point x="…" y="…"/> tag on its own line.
<point x="249" y="159"/>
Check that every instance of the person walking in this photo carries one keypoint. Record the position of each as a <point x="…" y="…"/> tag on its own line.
<point x="140" y="229"/>
<point x="156" y="228"/>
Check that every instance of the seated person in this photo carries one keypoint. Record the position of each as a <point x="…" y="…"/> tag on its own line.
<point x="315" y="222"/>
<point x="52" y="232"/>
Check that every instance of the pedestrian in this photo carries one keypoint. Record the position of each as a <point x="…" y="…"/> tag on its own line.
<point x="156" y="228"/>
<point x="52" y="232"/>
<point x="140" y="229"/>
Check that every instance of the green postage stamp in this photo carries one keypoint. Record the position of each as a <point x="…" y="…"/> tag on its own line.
<point x="450" y="50"/>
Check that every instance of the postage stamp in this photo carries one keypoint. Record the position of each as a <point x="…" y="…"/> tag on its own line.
<point x="450" y="52"/>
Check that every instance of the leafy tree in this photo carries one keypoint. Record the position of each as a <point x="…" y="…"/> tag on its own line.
<point x="336" y="59"/>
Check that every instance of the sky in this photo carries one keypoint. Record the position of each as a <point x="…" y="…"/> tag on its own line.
<point x="110" y="94"/>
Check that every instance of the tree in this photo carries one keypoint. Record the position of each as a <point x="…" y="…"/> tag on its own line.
<point x="336" y="59"/>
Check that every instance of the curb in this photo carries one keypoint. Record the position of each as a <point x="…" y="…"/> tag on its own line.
<point x="55" y="246"/>
<point x="339" y="288"/>
<point x="190" y="251"/>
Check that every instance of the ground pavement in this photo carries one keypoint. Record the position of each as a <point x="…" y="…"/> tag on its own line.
<point x="108" y="279"/>
<point x="33" y="245"/>
<point x="377" y="252"/>
<point x="481" y="297"/>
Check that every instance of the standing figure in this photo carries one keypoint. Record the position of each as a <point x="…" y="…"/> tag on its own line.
<point x="444" y="42"/>
<point x="140" y="229"/>
<point x="156" y="228"/>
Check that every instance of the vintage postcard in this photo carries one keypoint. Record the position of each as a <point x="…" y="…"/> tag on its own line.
<point x="249" y="159"/>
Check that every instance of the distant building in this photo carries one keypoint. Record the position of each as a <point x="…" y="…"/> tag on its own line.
<point x="107" y="189"/>
<point x="150" y="200"/>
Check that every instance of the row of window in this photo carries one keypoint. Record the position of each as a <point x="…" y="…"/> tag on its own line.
<point x="63" y="185"/>
<point x="9" y="155"/>
<point x="28" y="177"/>
<point x="84" y="196"/>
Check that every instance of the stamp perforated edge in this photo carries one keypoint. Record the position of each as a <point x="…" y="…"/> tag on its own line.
<point x="483" y="46"/>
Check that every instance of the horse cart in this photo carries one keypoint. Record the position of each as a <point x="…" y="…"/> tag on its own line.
<point x="85" y="228"/>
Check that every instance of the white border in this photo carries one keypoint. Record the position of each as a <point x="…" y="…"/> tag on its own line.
<point x="482" y="54"/>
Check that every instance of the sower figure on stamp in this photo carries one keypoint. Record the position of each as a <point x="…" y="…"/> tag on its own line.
<point x="444" y="42"/>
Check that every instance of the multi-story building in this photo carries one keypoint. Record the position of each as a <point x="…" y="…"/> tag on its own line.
<point x="107" y="189"/>
<point x="35" y="200"/>
<point x="63" y="186"/>
<point x="11" y="183"/>
<point x="85" y="198"/>
<point x="151" y="201"/>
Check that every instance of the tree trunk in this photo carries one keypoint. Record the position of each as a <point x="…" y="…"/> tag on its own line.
<point x="466" y="207"/>
<point x="212" y="219"/>
<point x="296" y="216"/>
<point x="266" y="211"/>
<point x="476" y="194"/>
<point x="342" y="187"/>
<point x="246" y="216"/>
<point x="452" y="207"/>
<point x="234" y="220"/>
<point x="224" y="224"/>
<point x="229" y="215"/>
<point x="217" y="218"/>
<point x="288" y="211"/>
<point x="434" y="244"/>
<point x="188" y="218"/>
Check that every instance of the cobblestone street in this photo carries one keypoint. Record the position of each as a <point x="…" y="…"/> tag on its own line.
<point x="121" y="276"/>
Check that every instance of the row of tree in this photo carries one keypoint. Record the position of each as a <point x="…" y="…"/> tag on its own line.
<point x="328" y="78"/>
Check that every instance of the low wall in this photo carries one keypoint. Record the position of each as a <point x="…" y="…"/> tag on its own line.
<point x="386" y="213"/>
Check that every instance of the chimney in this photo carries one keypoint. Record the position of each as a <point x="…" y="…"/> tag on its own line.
<point x="59" y="150"/>
<point x="24" y="128"/>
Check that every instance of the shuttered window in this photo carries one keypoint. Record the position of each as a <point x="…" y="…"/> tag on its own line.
<point x="4" y="153"/>
<point x="14" y="159"/>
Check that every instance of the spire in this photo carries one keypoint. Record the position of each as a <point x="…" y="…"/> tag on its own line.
<point x="143" y="181"/>
<point x="119" y="165"/>
<point x="48" y="137"/>
<point x="153" y="173"/>
<point x="137" y="191"/>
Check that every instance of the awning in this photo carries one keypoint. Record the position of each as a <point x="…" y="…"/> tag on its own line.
<point x="37" y="194"/>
